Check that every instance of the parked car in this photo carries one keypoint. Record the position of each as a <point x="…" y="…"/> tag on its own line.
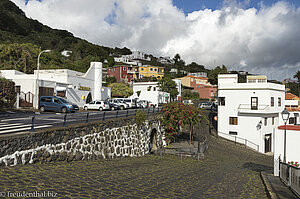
<point x="151" y="104"/>
<point x="205" y="105"/>
<point x="130" y="102"/>
<point x="142" y="104"/>
<point x="187" y="102"/>
<point x="96" y="105"/>
<point x="53" y="103"/>
<point x="120" y="103"/>
<point x="113" y="106"/>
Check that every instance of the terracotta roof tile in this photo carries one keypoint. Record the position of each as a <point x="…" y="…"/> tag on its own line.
<point x="290" y="127"/>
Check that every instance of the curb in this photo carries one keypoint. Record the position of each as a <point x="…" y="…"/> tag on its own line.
<point x="269" y="189"/>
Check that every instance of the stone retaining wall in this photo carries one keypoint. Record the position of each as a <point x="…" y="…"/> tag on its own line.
<point x="109" y="139"/>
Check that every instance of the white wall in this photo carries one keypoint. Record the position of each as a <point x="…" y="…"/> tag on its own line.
<point x="292" y="147"/>
<point x="237" y="104"/>
<point x="66" y="79"/>
<point x="153" y="95"/>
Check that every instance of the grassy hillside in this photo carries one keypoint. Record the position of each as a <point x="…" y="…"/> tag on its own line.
<point x="21" y="39"/>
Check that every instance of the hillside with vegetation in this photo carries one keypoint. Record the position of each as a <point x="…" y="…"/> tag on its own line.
<point x="21" y="40"/>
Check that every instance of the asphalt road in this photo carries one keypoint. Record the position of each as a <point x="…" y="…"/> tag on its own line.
<point x="17" y="122"/>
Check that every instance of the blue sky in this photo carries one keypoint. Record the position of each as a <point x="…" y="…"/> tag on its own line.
<point x="194" y="5"/>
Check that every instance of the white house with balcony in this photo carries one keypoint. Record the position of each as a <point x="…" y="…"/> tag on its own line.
<point x="249" y="113"/>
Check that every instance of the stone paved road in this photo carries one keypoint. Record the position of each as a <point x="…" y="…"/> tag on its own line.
<point x="228" y="171"/>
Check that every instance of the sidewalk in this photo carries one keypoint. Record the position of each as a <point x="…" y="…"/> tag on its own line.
<point x="276" y="188"/>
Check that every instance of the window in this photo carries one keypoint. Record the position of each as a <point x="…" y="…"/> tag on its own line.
<point x="154" y="88"/>
<point x="232" y="133"/>
<point x="221" y="101"/>
<point x="292" y="120"/>
<point x="160" y="70"/>
<point x="266" y="121"/>
<point x="254" y="103"/>
<point x="124" y="68"/>
<point x="141" y="76"/>
<point x="155" y="69"/>
<point x="279" y="101"/>
<point x="57" y="101"/>
<point x="151" y="69"/>
<point x="142" y="69"/>
<point x="251" y="81"/>
<point x="272" y="101"/>
<point x="273" y="120"/>
<point x="18" y="89"/>
<point x="149" y="88"/>
<point x="233" y="120"/>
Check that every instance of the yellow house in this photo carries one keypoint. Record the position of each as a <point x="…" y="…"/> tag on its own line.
<point x="188" y="80"/>
<point x="149" y="71"/>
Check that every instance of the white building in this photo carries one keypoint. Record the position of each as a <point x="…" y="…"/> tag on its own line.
<point x="250" y="111"/>
<point x="150" y="91"/>
<point x="292" y="145"/>
<point x="76" y="86"/>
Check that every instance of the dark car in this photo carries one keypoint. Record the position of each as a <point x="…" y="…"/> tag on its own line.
<point x="113" y="106"/>
<point x="57" y="104"/>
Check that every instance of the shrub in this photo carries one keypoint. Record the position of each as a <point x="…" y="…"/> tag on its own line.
<point x="176" y="116"/>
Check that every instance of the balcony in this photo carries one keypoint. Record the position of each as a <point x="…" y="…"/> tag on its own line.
<point x="247" y="108"/>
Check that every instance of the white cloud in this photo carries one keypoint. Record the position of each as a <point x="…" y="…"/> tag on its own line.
<point x="265" y="41"/>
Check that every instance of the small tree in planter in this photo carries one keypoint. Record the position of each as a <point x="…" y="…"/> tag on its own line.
<point x="176" y="116"/>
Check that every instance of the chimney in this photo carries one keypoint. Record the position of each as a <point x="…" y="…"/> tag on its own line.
<point x="98" y="80"/>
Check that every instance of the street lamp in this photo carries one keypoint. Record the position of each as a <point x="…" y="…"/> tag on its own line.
<point x="37" y="77"/>
<point x="285" y="116"/>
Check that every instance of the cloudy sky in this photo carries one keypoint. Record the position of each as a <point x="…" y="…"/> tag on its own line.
<point x="259" y="36"/>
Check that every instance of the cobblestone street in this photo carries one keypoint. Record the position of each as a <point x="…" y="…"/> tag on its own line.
<point x="228" y="171"/>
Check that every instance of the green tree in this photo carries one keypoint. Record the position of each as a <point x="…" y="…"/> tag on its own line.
<point x="120" y="90"/>
<point x="168" y="85"/>
<point x="213" y="74"/>
<point x="188" y="94"/>
<point x="297" y="76"/>
<point x="7" y="93"/>
<point x="176" y="116"/>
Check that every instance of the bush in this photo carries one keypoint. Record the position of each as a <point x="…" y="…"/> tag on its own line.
<point x="7" y="93"/>
<point x="140" y="117"/>
<point x="176" y="116"/>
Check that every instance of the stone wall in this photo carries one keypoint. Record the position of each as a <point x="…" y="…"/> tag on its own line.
<point x="102" y="140"/>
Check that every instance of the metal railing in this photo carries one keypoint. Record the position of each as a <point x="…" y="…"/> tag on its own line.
<point x="42" y="121"/>
<point x="290" y="175"/>
<point x="239" y="140"/>
<point x="248" y="107"/>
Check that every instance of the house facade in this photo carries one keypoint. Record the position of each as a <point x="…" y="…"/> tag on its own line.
<point x="198" y="82"/>
<point x="150" y="71"/>
<point x="123" y="73"/>
<point x="250" y="111"/>
<point x="150" y="91"/>
<point x="77" y="87"/>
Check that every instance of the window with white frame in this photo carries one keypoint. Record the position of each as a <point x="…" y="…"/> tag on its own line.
<point x="279" y="101"/>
